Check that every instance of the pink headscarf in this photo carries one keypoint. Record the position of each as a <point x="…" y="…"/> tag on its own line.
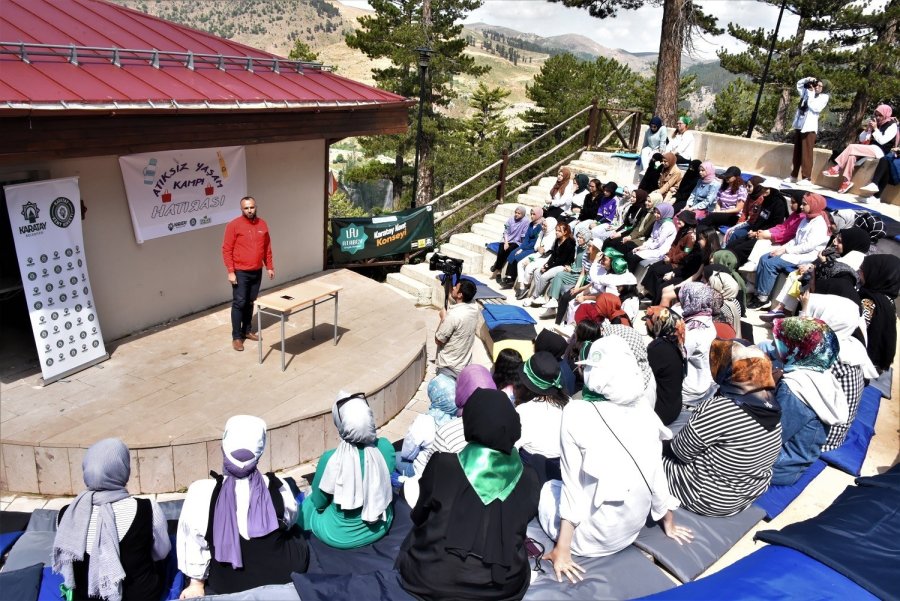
<point x="710" y="169"/>
<point x="884" y="110"/>
<point x="538" y="214"/>
<point x="471" y="378"/>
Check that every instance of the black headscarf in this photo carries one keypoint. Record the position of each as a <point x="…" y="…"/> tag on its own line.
<point x="855" y="238"/>
<point x="881" y="284"/>
<point x="637" y="210"/>
<point x="552" y="343"/>
<point x="491" y="423"/>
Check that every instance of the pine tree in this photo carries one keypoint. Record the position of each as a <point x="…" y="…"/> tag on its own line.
<point x="731" y="111"/>
<point x="395" y="31"/>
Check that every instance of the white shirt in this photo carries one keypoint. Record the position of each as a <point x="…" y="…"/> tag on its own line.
<point x="878" y="138"/>
<point x="809" y="120"/>
<point x="808" y="242"/>
<point x="540" y="428"/>
<point x="604" y="494"/>
<point x="190" y="542"/>
<point x="563" y="198"/>
<point x="682" y="144"/>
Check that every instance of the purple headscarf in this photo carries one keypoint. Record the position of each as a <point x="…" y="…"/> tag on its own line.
<point x="515" y="229"/>
<point x="666" y="211"/>
<point x="470" y="379"/>
<point x="243" y="444"/>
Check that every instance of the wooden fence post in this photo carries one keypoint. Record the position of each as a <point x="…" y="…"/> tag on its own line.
<point x="590" y="138"/>
<point x="501" y="189"/>
<point x="636" y="131"/>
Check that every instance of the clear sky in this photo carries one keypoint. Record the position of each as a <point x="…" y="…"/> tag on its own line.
<point x="635" y="31"/>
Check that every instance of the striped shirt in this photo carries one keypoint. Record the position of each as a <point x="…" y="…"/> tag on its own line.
<point x="724" y="459"/>
<point x="850" y="377"/>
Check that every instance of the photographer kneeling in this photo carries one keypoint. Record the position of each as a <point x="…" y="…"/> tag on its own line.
<point x="456" y="332"/>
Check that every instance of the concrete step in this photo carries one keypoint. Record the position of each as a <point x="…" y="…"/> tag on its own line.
<point x="419" y="272"/>
<point x="507" y="209"/>
<point x="471" y="260"/>
<point x="488" y="230"/>
<point x="493" y="218"/>
<point x="420" y="292"/>
<point x="470" y="240"/>
<point x="530" y="200"/>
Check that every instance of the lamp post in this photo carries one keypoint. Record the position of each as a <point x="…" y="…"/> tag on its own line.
<point x="765" y="75"/>
<point x="424" y="59"/>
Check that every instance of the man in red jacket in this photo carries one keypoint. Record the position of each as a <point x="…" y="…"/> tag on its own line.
<point x="246" y="248"/>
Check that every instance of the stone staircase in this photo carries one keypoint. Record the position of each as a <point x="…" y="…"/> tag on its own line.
<point x="420" y="283"/>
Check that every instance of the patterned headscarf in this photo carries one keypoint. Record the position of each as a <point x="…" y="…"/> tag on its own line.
<point x="696" y="301"/>
<point x="666" y="324"/>
<point x="442" y="394"/>
<point x="805" y="343"/>
<point x="744" y="375"/>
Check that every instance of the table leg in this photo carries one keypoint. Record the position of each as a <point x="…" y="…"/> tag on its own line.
<point x="314" y="321"/>
<point x="335" y="316"/>
<point x="282" y="341"/>
<point x="259" y="332"/>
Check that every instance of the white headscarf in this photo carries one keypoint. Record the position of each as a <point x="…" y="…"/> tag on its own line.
<point x="842" y="315"/>
<point x="611" y="370"/>
<point x="343" y="475"/>
<point x="547" y="237"/>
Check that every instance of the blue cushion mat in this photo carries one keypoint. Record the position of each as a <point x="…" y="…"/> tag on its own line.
<point x="494" y="247"/>
<point x="22" y="584"/>
<point x="858" y="536"/>
<point x="888" y="479"/>
<point x="771" y="573"/>
<point x="495" y="315"/>
<point x="8" y="539"/>
<point x="50" y="586"/>
<point x="713" y="537"/>
<point x="850" y="456"/>
<point x="483" y="291"/>
<point x="777" y="498"/>
<point x="631" y="156"/>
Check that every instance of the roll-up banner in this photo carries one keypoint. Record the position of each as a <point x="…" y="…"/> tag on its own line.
<point x="176" y="191"/>
<point x="356" y="238"/>
<point x="46" y="227"/>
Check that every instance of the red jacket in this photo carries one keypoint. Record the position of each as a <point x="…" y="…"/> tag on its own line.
<point x="247" y="246"/>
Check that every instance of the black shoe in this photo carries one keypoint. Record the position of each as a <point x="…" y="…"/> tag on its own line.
<point x="754" y="303"/>
<point x="506" y="284"/>
<point x="521" y="294"/>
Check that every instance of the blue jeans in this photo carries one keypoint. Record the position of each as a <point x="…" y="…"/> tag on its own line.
<point x="738" y="234"/>
<point x="767" y="271"/>
<point x="244" y="293"/>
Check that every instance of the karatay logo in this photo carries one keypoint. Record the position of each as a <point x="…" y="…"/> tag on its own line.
<point x="62" y="212"/>
<point x="30" y="212"/>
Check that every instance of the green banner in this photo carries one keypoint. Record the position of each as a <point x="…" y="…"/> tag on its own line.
<point x="356" y="238"/>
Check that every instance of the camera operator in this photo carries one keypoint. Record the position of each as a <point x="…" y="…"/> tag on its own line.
<point x="456" y="331"/>
<point x="878" y="136"/>
<point x="813" y="98"/>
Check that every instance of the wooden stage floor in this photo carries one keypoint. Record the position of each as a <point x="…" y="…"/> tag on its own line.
<point x="167" y="392"/>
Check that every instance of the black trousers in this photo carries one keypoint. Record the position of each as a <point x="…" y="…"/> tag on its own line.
<point x="244" y="294"/>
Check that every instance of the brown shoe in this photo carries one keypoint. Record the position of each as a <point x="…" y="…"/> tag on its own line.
<point x="237" y="345"/>
<point x="251" y="336"/>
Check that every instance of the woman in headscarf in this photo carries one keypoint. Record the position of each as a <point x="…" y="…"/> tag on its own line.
<point x="810" y="397"/>
<point x="811" y="237"/>
<point x="581" y="192"/>
<point x="640" y="231"/>
<point x="606" y="306"/>
<point x="624" y="204"/>
<point x="468" y="533"/>
<point x="703" y="198"/>
<point x="609" y="203"/>
<point x="669" y="177"/>
<point x="696" y="309"/>
<point x="679" y="263"/>
<point x="107" y="542"/>
<point x="776" y="222"/>
<point x="420" y="436"/>
<point x="606" y="272"/>
<point x="723" y="283"/>
<point x="841" y="260"/>
<point x="570" y="275"/>
<point x="542" y="248"/>
<point x="730" y="200"/>
<point x="235" y="531"/>
<point x="526" y="246"/>
<point x="662" y="235"/>
<point x="853" y="366"/>
<point x="721" y="461"/>
<point x="612" y="473"/>
<point x="758" y="190"/>
<point x="560" y="199"/>
<point x="513" y="233"/>
<point x="707" y="247"/>
<point x="562" y="256"/>
<point x="875" y="141"/>
<point x="633" y="213"/>
<point x="879" y="283"/>
<point x="540" y="400"/>
<point x="638" y="347"/>
<point x="349" y="505"/>
<point x="654" y="141"/>
<point x="725" y="260"/>
<point x="665" y="354"/>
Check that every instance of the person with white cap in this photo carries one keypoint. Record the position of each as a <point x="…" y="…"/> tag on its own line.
<point x="612" y="471"/>
<point x="235" y="531"/>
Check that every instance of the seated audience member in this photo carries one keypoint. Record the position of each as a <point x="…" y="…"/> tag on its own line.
<point x="638" y="346"/>
<point x="702" y="198"/>
<point x="682" y="143"/>
<point x="556" y="345"/>
<point x="560" y="201"/>
<point x="887" y="173"/>
<point x="688" y="182"/>
<point x="725" y="261"/>
<point x="721" y="461"/>
<point x="758" y="190"/>
<point x="570" y="275"/>
<point x="707" y="245"/>
<point x="639" y="233"/>
<point x="349" y="504"/>
<point x="669" y="178"/>
<point x="235" y="531"/>
<point x="606" y="307"/>
<point x="561" y="257"/>
<point x="624" y="203"/>
<point x="585" y="333"/>
<point x="662" y="235"/>
<point x="842" y="259"/>
<point x="875" y="141"/>
<point x="107" y="542"/>
<point x="879" y="283"/>
<point x="730" y="200"/>
<point x="612" y="473"/>
<point x="543" y="247"/>
<point x="632" y="210"/>
<point x="526" y="247"/>
<point x="655" y="139"/>
<point x="591" y="203"/>
<point x="810" y="397"/>
<point x="506" y="372"/>
<point x="665" y="354"/>
<point x="811" y="237"/>
<point x="763" y="236"/>
<point x="540" y="400"/>
<point x="728" y="310"/>
<point x="513" y="233"/>
<point x="679" y="263"/>
<point x="420" y="436"/>
<point x="650" y="180"/>
<point x="607" y="272"/>
<point x="696" y="309"/>
<point x="468" y="532"/>
<point x="631" y="301"/>
<point x="582" y="189"/>
<point x="609" y="203"/>
<point x="853" y="366"/>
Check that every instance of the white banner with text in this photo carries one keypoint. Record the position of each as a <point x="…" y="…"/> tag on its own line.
<point x="46" y="225"/>
<point x="176" y="191"/>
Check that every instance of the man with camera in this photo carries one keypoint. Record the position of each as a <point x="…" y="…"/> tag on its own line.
<point x="455" y="333"/>
<point x="813" y="98"/>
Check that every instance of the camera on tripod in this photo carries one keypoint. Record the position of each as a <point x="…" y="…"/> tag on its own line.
<point x="448" y="265"/>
